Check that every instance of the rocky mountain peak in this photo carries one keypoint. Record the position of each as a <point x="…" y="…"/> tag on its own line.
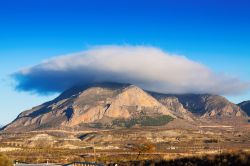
<point x="245" y="106"/>
<point x="210" y="106"/>
<point x="106" y="102"/>
<point x="81" y="105"/>
<point x="205" y="105"/>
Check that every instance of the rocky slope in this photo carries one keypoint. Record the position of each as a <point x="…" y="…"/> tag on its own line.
<point x="245" y="106"/>
<point x="121" y="105"/>
<point x="99" y="103"/>
<point x="176" y="107"/>
<point x="206" y="106"/>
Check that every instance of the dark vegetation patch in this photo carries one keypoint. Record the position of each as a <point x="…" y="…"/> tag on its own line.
<point x="209" y="141"/>
<point x="227" y="159"/>
<point x="143" y="121"/>
<point x="44" y="126"/>
<point x="159" y="120"/>
<point x="98" y="125"/>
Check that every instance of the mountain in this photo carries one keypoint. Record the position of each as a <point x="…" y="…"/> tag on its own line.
<point x="173" y="104"/>
<point x="206" y="105"/>
<point x="112" y="105"/>
<point x="245" y="106"/>
<point x="94" y="104"/>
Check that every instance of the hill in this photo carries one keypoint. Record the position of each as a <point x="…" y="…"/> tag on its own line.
<point x="245" y="106"/>
<point x="113" y="105"/>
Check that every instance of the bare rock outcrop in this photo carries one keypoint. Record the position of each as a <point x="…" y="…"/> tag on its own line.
<point x="90" y="105"/>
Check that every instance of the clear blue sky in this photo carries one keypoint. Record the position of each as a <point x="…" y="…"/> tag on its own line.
<point x="213" y="32"/>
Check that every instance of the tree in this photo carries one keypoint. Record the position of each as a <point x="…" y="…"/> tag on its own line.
<point x="146" y="147"/>
<point x="5" y="161"/>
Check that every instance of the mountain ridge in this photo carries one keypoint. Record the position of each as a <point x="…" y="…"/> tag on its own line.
<point x="245" y="106"/>
<point x="205" y="105"/>
<point x="105" y="102"/>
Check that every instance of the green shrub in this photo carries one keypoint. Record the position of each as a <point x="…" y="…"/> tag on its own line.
<point x="143" y="121"/>
<point x="156" y="121"/>
<point x="209" y="141"/>
<point x="97" y="125"/>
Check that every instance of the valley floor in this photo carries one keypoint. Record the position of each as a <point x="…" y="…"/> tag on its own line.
<point x="125" y="145"/>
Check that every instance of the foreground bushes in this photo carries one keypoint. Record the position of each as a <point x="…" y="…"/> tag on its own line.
<point x="4" y="161"/>
<point x="240" y="159"/>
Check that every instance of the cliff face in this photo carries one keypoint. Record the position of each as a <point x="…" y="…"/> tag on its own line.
<point x="122" y="103"/>
<point x="107" y="102"/>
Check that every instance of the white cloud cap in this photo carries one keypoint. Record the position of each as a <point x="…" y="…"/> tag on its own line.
<point x="147" y="67"/>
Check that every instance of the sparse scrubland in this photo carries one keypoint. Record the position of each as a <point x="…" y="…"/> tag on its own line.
<point x="131" y="146"/>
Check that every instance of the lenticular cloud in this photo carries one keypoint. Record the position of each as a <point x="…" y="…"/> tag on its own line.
<point x="147" y="67"/>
